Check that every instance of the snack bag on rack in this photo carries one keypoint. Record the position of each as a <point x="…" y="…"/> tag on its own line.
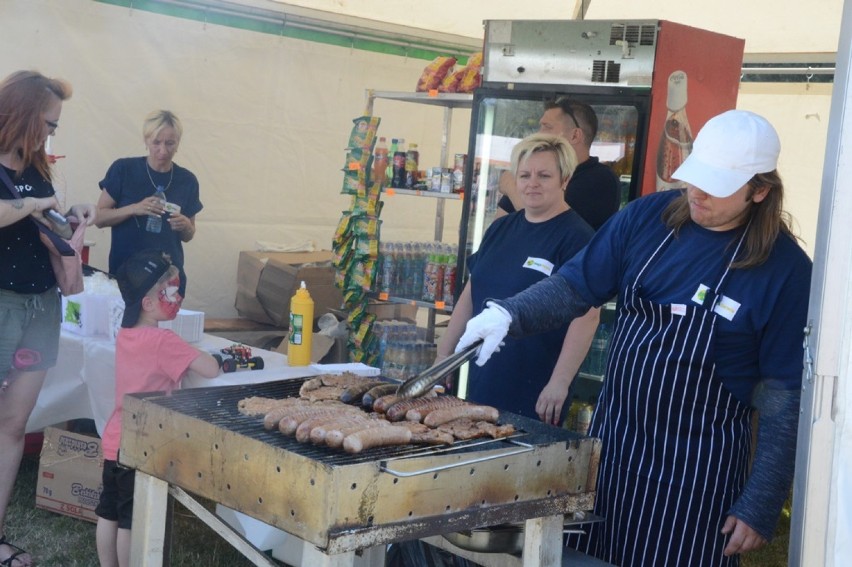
<point x="353" y="183"/>
<point x="434" y="73"/>
<point x="358" y="160"/>
<point x="451" y="82"/>
<point x="472" y="74"/>
<point x="363" y="133"/>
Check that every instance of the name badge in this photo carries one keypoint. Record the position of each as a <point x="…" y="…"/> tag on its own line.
<point x="539" y="265"/>
<point x="727" y="308"/>
<point x="700" y="294"/>
<point x="678" y="309"/>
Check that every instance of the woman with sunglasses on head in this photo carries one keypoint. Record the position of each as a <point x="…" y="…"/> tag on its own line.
<point x="154" y="187"/>
<point x="30" y="106"/>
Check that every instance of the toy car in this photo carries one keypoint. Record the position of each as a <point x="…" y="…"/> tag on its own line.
<point x="237" y="356"/>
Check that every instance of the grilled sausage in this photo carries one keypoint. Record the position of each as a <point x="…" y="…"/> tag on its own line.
<point x="418" y="412"/>
<point x="334" y="437"/>
<point x="377" y="392"/>
<point x="291" y="422"/>
<point x="319" y="433"/>
<point x="383" y="403"/>
<point x="271" y="419"/>
<point x="303" y="431"/>
<point x="376" y="437"/>
<point x="443" y="415"/>
<point x="355" y="393"/>
<point x="397" y="411"/>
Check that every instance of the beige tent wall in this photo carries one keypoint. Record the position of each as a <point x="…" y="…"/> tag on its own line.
<point x="266" y="118"/>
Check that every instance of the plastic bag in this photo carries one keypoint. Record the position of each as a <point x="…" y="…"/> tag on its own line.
<point x="434" y="73"/>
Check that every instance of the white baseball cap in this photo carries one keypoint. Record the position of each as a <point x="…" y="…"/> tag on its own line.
<point x="730" y="149"/>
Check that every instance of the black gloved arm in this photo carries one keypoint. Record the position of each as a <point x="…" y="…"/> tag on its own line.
<point x="545" y="305"/>
<point x="771" y="477"/>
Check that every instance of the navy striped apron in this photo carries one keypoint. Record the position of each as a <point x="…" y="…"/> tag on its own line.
<point x="676" y="443"/>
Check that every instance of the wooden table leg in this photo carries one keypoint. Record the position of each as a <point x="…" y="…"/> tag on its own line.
<point x="372" y="557"/>
<point x="543" y="542"/>
<point x="150" y="501"/>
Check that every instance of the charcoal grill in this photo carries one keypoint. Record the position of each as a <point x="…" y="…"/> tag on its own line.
<point x="197" y="440"/>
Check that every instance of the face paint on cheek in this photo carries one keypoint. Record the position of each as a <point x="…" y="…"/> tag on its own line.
<point x="170" y="300"/>
<point x="169" y="308"/>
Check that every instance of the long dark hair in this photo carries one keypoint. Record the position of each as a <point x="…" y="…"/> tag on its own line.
<point x="24" y="98"/>
<point x="768" y="219"/>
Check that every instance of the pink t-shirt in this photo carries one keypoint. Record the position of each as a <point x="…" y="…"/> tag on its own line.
<point x="147" y="359"/>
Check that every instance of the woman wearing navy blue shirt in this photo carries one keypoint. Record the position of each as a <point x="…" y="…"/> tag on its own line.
<point x="712" y="298"/>
<point x="532" y="374"/>
<point x="127" y="197"/>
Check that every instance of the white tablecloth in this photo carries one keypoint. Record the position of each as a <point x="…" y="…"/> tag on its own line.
<point x="82" y="385"/>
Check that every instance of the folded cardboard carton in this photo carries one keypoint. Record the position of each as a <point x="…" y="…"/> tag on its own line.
<point x="266" y="281"/>
<point x="69" y="474"/>
<point x="388" y="311"/>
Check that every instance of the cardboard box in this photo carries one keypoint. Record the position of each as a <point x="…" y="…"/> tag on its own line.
<point x="189" y="325"/>
<point x="266" y="281"/>
<point x="87" y="314"/>
<point x="324" y="349"/>
<point x="388" y="311"/>
<point x="69" y="474"/>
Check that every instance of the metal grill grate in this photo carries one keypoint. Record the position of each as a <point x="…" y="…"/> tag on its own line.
<point x="218" y="406"/>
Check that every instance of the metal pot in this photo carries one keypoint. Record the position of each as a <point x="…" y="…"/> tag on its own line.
<point x="505" y="538"/>
<point x="509" y="538"/>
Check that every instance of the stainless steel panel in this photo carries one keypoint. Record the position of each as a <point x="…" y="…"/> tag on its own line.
<point x="570" y="52"/>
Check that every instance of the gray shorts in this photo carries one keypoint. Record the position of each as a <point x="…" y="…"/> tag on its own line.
<point x="29" y="322"/>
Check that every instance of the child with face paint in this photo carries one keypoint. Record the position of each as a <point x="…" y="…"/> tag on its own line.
<point x="147" y="358"/>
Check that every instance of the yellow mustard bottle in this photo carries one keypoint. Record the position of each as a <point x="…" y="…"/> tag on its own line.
<point x="301" y="332"/>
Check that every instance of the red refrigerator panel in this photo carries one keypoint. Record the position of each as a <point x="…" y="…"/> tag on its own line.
<point x="708" y="65"/>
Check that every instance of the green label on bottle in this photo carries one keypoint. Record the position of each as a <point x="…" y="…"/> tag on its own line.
<point x="295" y="329"/>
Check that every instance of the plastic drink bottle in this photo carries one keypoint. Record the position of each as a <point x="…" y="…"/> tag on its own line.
<point x="155" y="222"/>
<point x="393" y="149"/>
<point x="412" y="161"/>
<point x="398" y="179"/>
<point x="380" y="162"/>
<point x="676" y="139"/>
<point x="584" y="419"/>
<point x="301" y="332"/>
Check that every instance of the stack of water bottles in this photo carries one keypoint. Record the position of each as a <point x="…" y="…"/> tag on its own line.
<point x="422" y="271"/>
<point x="402" y="352"/>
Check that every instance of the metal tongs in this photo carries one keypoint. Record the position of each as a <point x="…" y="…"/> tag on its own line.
<point x="418" y="385"/>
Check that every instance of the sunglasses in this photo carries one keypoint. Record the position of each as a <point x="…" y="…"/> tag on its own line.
<point x="564" y="104"/>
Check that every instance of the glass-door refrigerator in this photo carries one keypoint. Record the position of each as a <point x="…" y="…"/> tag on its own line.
<point x="501" y="117"/>
<point x="652" y="84"/>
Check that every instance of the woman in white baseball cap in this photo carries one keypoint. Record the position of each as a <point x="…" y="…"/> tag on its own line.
<point x="712" y="298"/>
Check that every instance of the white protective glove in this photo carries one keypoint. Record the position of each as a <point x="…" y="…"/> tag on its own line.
<point x="492" y="326"/>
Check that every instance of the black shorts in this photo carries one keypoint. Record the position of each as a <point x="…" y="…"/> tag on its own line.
<point x="116" y="503"/>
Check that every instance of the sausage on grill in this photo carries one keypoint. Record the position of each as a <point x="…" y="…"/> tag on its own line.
<point x="397" y="411"/>
<point x="376" y="437"/>
<point x="418" y="412"/>
<point x="334" y="437"/>
<point x="318" y="433"/>
<point x="377" y="392"/>
<point x="443" y="415"/>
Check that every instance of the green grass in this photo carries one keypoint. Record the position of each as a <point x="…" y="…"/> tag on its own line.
<point x="61" y="541"/>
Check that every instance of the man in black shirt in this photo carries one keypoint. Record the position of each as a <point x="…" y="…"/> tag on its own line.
<point x="594" y="190"/>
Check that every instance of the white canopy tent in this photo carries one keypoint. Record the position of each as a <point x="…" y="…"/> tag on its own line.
<point x="267" y="112"/>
